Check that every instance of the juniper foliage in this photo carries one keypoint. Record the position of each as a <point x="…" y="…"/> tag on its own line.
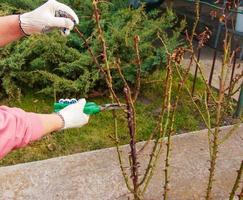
<point x="51" y="63"/>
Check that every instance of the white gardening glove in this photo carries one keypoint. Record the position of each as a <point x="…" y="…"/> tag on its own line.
<point x="50" y="15"/>
<point x="73" y="115"/>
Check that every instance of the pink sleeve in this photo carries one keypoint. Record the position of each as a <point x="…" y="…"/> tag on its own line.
<point x="17" y="129"/>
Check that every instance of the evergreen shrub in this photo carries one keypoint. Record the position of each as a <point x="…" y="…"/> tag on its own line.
<point x="53" y="63"/>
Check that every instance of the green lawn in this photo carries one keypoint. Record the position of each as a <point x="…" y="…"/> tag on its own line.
<point x="96" y="134"/>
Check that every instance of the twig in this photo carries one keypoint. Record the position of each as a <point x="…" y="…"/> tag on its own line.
<point x="108" y="79"/>
<point x="197" y="17"/>
<point x="138" y="63"/>
<point x="131" y="118"/>
<point x="132" y="131"/>
<point x="241" y="194"/>
<point x="230" y="133"/>
<point x="234" y="82"/>
<point x="197" y="107"/>
<point x="204" y="79"/>
<point x="169" y="133"/>
<point x="237" y="182"/>
<point x="215" y="143"/>
<point x="160" y="136"/>
<point x="209" y="123"/>
<point x="126" y="178"/>
<point x="98" y="65"/>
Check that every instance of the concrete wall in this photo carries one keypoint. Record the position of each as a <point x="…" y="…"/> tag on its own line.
<point x="96" y="175"/>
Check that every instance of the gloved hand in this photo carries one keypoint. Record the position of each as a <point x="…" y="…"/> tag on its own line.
<point x="49" y="16"/>
<point x="73" y="115"/>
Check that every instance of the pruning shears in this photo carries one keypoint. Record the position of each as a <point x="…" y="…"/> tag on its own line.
<point x="90" y="108"/>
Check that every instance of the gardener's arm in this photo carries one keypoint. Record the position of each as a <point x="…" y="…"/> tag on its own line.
<point x="41" y="20"/>
<point x="10" y="29"/>
<point x="18" y="128"/>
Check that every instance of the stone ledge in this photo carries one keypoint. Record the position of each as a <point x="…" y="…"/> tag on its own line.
<point x="96" y="175"/>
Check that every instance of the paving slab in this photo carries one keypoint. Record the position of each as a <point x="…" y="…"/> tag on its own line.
<point x="96" y="175"/>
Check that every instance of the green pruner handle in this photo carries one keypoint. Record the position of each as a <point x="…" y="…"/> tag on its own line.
<point x="90" y="108"/>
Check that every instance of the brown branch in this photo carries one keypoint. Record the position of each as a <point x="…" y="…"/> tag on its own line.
<point x="230" y="133"/>
<point x="237" y="182"/>
<point x="138" y="63"/>
<point x="98" y="65"/>
<point x="161" y="133"/>
<point x="108" y="79"/>
<point x="241" y="194"/>
<point x="197" y="17"/>
<point x="131" y="119"/>
<point x="210" y="92"/>
<point x="237" y="78"/>
<point x="209" y="123"/>
<point x="108" y="76"/>
<point x="197" y="107"/>
<point x="132" y="131"/>
<point x="219" y="108"/>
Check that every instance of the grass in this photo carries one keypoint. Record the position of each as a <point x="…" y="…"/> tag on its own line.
<point x="96" y="134"/>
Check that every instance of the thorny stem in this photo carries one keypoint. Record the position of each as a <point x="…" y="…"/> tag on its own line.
<point x="204" y="79"/>
<point x="193" y="58"/>
<point x="197" y="17"/>
<point x="212" y="164"/>
<point x="131" y="119"/>
<point x="167" y="164"/>
<point x="233" y="83"/>
<point x="162" y="131"/>
<point x="228" y="59"/>
<point x="160" y="136"/>
<point x="232" y="66"/>
<point x="102" y="39"/>
<point x="241" y="194"/>
<point x="197" y="107"/>
<point x="234" y="92"/>
<point x="159" y="139"/>
<point x="230" y="133"/>
<point x="190" y="40"/>
<point x="149" y="140"/>
<point x="132" y="131"/>
<point x="126" y="178"/>
<point x="98" y="65"/>
<point x="180" y="86"/>
<point x="209" y="123"/>
<point x="138" y="63"/>
<point x="172" y="117"/>
<point x="171" y="126"/>
<point x="215" y="143"/>
<point x="169" y="133"/>
<point x="237" y="182"/>
<point x="155" y="152"/>
<point x="108" y="80"/>
<point x="109" y="84"/>
<point x="150" y="170"/>
<point x="168" y="112"/>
